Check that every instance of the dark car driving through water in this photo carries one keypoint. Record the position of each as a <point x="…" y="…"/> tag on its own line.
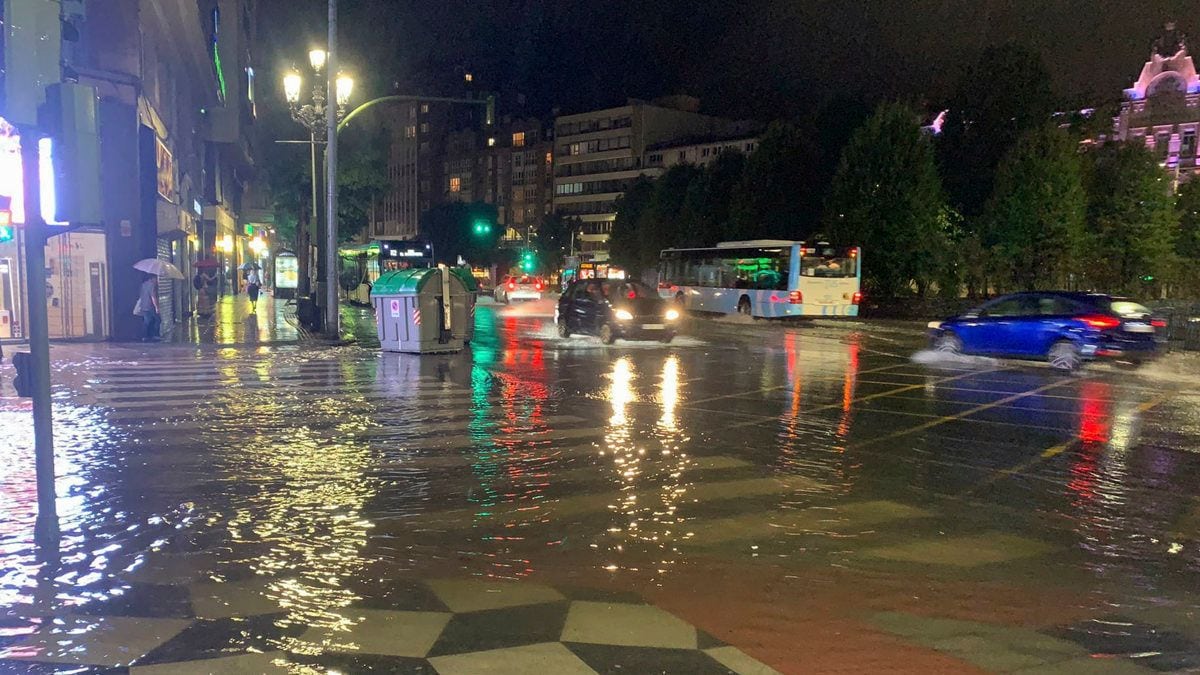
<point x="615" y="309"/>
<point x="1066" y="329"/>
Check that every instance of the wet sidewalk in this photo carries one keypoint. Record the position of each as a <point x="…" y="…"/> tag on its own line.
<point x="234" y="322"/>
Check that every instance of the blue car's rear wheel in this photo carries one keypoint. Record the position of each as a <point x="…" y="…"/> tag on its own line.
<point x="1064" y="356"/>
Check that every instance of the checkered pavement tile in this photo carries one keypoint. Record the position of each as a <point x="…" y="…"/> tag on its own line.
<point x="1145" y="644"/>
<point x="441" y="626"/>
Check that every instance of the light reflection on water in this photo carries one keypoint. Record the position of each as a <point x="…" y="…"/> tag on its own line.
<point x="289" y="484"/>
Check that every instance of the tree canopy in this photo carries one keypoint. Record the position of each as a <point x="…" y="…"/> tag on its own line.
<point x="887" y="197"/>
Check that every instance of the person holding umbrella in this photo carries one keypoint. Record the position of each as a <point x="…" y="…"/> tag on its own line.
<point x="253" y="283"/>
<point x="147" y="303"/>
<point x="206" y="283"/>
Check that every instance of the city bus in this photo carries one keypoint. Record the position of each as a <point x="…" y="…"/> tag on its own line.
<point x="764" y="278"/>
<point x="361" y="265"/>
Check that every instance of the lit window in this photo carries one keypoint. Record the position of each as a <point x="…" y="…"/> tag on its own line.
<point x="519" y="139"/>
<point x="410" y="131"/>
<point x="549" y="158"/>
<point x="424" y="107"/>
<point x="455" y="184"/>
<point x="467" y="77"/>
<point x="491" y="142"/>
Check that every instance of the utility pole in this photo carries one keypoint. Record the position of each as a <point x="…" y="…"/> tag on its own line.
<point x="46" y="528"/>
<point x="332" y="315"/>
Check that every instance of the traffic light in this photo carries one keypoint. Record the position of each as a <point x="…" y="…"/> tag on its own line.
<point x="482" y="227"/>
<point x="528" y="261"/>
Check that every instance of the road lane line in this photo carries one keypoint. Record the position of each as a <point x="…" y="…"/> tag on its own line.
<point x="881" y="394"/>
<point x="955" y="417"/>
<point x="830" y="378"/>
<point x="1054" y="451"/>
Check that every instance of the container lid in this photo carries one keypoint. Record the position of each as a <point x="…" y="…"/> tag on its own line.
<point x="403" y="282"/>
<point x="466" y="277"/>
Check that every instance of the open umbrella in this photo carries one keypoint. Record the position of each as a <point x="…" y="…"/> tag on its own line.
<point x="206" y="264"/>
<point x="158" y="267"/>
<point x="249" y="266"/>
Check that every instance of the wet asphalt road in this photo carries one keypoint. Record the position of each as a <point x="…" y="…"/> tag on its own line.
<point x="802" y="497"/>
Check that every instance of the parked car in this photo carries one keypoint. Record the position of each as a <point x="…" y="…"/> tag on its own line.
<point x="615" y="309"/>
<point x="519" y="288"/>
<point x="1066" y="329"/>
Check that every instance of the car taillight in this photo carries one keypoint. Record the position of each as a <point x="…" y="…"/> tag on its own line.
<point x="512" y="285"/>
<point x="796" y="297"/>
<point x="1101" y="322"/>
<point x="856" y="298"/>
<point x="538" y="285"/>
<point x="1158" y="323"/>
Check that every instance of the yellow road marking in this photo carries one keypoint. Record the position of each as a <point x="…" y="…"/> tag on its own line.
<point x="1056" y="450"/>
<point x="956" y="416"/>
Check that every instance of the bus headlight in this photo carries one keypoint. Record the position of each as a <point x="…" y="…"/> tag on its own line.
<point x="623" y="315"/>
<point x="672" y="314"/>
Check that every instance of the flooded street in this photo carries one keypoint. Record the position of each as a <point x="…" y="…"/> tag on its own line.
<point x="755" y="497"/>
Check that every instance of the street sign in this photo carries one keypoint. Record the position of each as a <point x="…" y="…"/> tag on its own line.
<point x="394" y="308"/>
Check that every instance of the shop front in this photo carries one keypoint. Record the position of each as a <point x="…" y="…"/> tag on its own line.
<point x="77" y="264"/>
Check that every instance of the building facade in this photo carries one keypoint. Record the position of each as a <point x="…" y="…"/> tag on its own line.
<point x="174" y="85"/>
<point x="1162" y="108"/>
<point x="696" y="151"/>
<point x="599" y="154"/>
<point x="418" y="132"/>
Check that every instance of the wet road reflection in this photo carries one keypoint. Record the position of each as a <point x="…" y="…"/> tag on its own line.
<point x="748" y="468"/>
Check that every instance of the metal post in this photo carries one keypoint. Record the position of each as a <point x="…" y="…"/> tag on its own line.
<point x="314" y="227"/>
<point x="46" y="529"/>
<point x="332" y="323"/>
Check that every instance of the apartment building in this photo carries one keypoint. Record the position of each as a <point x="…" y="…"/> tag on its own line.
<point x="598" y="154"/>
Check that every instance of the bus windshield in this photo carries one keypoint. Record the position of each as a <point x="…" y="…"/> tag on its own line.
<point x="828" y="262"/>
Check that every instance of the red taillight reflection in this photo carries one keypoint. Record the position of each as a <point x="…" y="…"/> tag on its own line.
<point x="1158" y="323"/>
<point x="1101" y="322"/>
<point x="856" y="298"/>
<point x="796" y="298"/>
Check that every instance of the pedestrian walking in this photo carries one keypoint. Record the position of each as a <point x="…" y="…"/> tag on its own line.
<point x="253" y="286"/>
<point x="147" y="308"/>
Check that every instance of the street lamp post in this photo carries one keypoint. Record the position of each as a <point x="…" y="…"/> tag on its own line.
<point x="315" y="117"/>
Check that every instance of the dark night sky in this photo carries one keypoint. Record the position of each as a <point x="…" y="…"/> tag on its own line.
<point x="753" y="58"/>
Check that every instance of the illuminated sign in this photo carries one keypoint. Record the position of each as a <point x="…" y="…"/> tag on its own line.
<point x="166" y="170"/>
<point x="216" y="55"/>
<point x="248" y="229"/>
<point x="287" y="271"/>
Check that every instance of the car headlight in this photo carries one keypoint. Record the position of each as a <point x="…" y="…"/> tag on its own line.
<point x="934" y="325"/>
<point x="672" y="314"/>
<point x="623" y="315"/>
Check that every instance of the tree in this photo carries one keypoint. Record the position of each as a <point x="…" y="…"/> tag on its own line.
<point x="707" y="203"/>
<point x="624" y="244"/>
<point x="1131" y="219"/>
<point x="1187" y="246"/>
<point x="552" y="238"/>
<point x="663" y="224"/>
<point x="1034" y="220"/>
<point x="886" y="197"/>
<point x="778" y="196"/>
<point x="1003" y="94"/>
<point x="362" y="179"/>
<point x="451" y="228"/>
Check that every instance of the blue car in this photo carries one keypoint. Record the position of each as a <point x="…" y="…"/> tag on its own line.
<point x="1066" y="329"/>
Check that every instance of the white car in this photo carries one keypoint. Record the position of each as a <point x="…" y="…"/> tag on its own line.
<point x="519" y="288"/>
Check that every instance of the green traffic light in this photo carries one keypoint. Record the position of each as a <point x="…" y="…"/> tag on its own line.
<point x="6" y="233"/>
<point x="482" y="227"/>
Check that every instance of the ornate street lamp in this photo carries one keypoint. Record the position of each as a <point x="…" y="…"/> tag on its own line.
<point x="312" y="116"/>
